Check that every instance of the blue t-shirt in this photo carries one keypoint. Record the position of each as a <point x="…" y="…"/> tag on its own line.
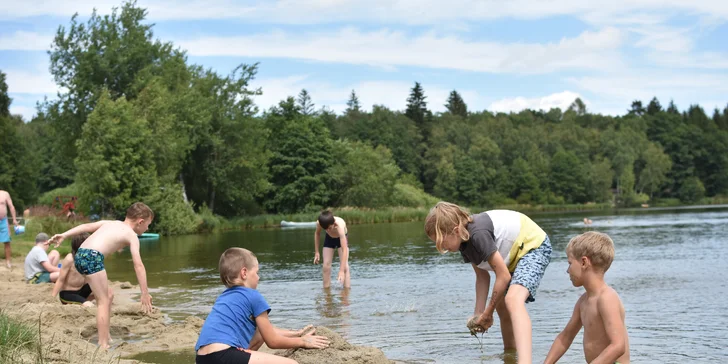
<point x="232" y="319"/>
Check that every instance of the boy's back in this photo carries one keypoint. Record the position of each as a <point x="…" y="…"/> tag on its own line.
<point x="110" y="237"/>
<point x="74" y="280"/>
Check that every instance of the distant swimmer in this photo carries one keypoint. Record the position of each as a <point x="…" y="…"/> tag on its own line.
<point x="587" y="221"/>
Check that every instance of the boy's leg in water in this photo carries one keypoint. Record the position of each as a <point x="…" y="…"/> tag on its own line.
<point x="516" y="304"/>
<point x="326" y="267"/>
<point x="347" y="273"/>
<point x="509" y="341"/>
<point x="100" y="287"/>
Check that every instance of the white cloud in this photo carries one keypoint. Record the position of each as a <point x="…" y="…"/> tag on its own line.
<point x="392" y="94"/>
<point x="25" y="41"/>
<point x="34" y="80"/>
<point x="560" y="100"/>
<point x="698" y="60"/>
<point x="25" y="111"/>
<point x="590" y="50"/>
<point x="379" y="11"/>
<point x="664" y="38"/>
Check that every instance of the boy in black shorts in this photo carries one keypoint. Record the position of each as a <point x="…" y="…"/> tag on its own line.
<point x="336" y="239"/>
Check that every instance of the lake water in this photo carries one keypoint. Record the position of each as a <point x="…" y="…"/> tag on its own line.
<point x="410" y="301"/>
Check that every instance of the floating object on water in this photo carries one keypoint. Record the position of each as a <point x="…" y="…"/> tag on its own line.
<point x="291" y="224"/>
<point x="148" y="236"/>
<point x="19" y="229"/>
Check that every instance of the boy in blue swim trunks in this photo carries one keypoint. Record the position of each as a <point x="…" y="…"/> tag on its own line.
<point x="238" y="323"/>
<point x="336" y="239"/>
<point x="6" y="203"/>
<point x="106" y="238"/>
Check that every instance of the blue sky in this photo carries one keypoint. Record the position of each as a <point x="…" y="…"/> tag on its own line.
<point x="500" y="55"/>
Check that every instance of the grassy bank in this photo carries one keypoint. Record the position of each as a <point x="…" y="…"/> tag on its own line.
<point x="368" y="216"/>
<point x="50" y="225"/>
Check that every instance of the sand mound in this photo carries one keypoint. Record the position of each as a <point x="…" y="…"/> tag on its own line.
<point x="339" y="351"/>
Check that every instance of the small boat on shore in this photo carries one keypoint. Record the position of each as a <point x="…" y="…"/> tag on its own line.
<point x="301" y="225"/>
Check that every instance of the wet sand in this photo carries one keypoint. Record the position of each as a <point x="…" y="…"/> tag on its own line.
<point x="68" y="332"/>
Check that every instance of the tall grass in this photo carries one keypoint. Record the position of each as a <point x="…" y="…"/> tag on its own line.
<point x="20" y="343"/>
<point x="16" y="339"/>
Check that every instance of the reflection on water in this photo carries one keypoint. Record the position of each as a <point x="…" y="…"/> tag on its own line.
<point x="413" y="303"/>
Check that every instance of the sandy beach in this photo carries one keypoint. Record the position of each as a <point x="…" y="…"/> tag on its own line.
<point x="68" y="332"/>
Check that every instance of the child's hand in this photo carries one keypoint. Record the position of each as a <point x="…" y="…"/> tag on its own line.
<point x="474" y="327"/>
<point x="56" y="239"/>
<point x="316" y="258"/>
<point x="303" y="330"/>
<point x="146" y="303"/>
<point x="485" y="321"/>
<point x="311" y="341"/>
<point x="341" y="276"/>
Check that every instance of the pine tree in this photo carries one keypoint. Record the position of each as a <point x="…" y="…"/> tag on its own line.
<point x="654" y="107"/>
<point x="417" y="106"/>
<point x="455" y="104"/>
<point x="672" y="109"/>
<point x="353" y="103"/>
<point x="305" y="103"/>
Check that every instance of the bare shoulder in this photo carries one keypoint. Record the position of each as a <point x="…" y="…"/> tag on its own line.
<point x="340" y="221"/>
<point x="610" y="298"/>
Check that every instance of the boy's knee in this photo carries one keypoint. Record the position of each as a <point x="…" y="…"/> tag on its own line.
<point x="327" y="266"/>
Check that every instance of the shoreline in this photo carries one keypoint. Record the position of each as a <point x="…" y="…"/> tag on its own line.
<point x="68" y="332"/>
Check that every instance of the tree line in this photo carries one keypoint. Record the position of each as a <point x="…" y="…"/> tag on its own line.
<point x="135" y="120"/>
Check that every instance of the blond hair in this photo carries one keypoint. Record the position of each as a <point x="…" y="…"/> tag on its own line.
<point x="139" y="210"/>
<point x="596" y="246"/>
<point x="442" y="220"/>
<point x="232" y="261"/>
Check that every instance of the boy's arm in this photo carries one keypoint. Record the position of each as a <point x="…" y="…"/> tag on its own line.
<point x="610" y="310"/>
<point x="482" y="286"/>
<point x="502" y="277"/>
<point x="277" y="341"/>
<point x="316" y="238"/>
<point x="12" y="210"/>
<point x="80" y="229"/>
<point x="48" y="267"/>
<point x="141" y="273"/>
<point x="565" y="337"/>
<point x="65" y="268"/>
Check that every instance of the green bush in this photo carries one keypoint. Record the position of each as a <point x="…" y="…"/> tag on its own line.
<point x="209" y="222"/>
<point x="172" y="216"/>
<point x="410" y="196"/>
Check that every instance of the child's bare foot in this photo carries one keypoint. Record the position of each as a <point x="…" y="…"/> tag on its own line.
<point x="87" y="304"/>
<point x="10" y="266"/>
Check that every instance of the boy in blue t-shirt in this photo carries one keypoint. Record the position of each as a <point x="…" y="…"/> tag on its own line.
<point x="240" y="314"/>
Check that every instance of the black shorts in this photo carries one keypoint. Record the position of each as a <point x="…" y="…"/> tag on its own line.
<point x="75" y="297"/>
<point x="228" y="356"/>
<point x="333" y="243"/>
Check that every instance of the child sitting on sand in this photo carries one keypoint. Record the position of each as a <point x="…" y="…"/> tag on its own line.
<point x="240" y="315"/>
<point x="70" y="286"/>
<point x="599" y="310"/>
